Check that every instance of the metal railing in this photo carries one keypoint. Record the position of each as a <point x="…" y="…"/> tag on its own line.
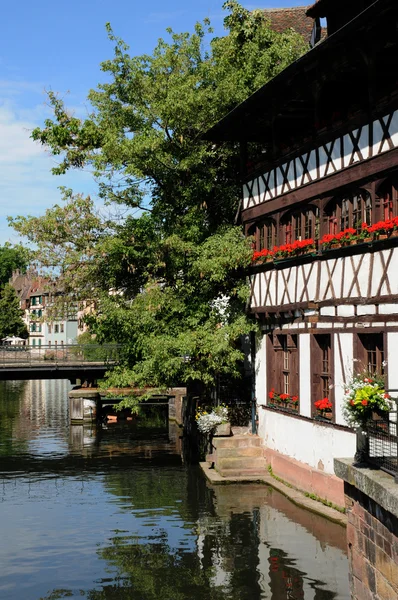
<point x="60" y="355"/>
<point x="382" y="441"/>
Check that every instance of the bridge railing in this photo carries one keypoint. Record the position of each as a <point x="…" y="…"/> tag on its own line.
<point x="67" y="354"/>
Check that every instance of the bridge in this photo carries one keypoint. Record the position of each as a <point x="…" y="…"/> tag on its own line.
<point x="86" y="362"/>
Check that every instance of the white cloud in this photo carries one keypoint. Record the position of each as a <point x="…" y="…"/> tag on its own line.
<point x="15" y="143"/>
<point x="26" y="183"/>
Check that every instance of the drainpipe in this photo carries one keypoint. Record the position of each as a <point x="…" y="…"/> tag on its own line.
<point x="253" y="381"/>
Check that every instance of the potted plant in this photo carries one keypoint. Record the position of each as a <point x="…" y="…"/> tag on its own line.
<point x="261" y="256"/>
<point x="286" y="401"/>
<point x="324" y="408"/>
<point x="364" y="395"/>
<point x="213" y="421"/>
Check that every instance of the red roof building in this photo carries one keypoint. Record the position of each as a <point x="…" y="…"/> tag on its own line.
<point x="291" y="18"/>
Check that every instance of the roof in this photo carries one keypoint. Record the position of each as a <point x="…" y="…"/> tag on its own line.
<point x="252" y="120"/>
<point x="291" y="18"/>
<point x="318" y="9"/>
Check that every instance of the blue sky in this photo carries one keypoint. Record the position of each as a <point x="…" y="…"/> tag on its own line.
<point x="59" y="46"/>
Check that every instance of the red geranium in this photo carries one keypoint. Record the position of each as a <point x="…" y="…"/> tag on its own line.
<point x="323" y="404"/>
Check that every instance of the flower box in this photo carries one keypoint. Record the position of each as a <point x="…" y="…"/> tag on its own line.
<point x="222" y="430"/>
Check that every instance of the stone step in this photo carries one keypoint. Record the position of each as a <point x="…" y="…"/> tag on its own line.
<point x="240" y="463"/>
<point x="252" y="474"/>
<point x="237" y="441"/>
<point x="254" y="451"/>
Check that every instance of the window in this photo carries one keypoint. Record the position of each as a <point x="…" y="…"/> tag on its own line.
<point x="301" y="225"/>
<point x="49" y="327"/>
<point x="387" y="195"/>
<point x="56" y="328"/>
<point x="283" y="372"/>
<point x="33" y="342"/>
<point x="49" y="344"/>
<point x="370" y="352"/>
<point x="56" y="343"/>
<point x="264" y="233"/>
<point x="349" y="211"/>
<point x="39" y="342"/>
<point x="61" y="327"/>
<point x="322" y="370"/>
<point x="62" y="342"/>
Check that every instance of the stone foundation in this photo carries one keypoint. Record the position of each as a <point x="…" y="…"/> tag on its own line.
<point x="306" y="478"/>
<point x="371" y="498"/>
<point x="175" y="404"/>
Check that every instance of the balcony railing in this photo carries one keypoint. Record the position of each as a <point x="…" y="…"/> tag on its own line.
<point x="380" y="446"/>
<point x="60" y="355"/>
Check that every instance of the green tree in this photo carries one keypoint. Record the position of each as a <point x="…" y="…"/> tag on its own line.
<point x="173" y="258"/>
<point x="12" y="258"/>
<point x="11" y="322"/>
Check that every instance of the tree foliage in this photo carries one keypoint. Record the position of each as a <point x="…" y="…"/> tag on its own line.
<point x="170" y="255"/>
<point x="11" y="322"/>
<point x="12" y="258"/>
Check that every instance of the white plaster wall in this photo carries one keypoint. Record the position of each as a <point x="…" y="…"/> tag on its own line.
<point x="261" y="369"/>
<point x="343" y="369"/>
<point x="306" y="441"/>
<point x="305" y="374"/>
<point x="392" y="354"/>
<point x="290" y="285"/>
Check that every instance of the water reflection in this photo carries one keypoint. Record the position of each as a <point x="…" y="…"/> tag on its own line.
<point x="114" y="513"/>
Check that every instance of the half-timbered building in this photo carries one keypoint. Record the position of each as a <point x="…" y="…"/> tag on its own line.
<point x="320" y="198"/>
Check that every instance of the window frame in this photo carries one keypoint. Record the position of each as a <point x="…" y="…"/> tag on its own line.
<point x="301" y="224"/>
<point x="283" y="368"/>
<point x="341" y="211"/>
<point x="322" y="381"/>
<point x="265" y="234"/>
<point x="364" y="351"/>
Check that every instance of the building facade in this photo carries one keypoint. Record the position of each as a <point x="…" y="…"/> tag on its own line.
<point x="320" y="198"/>
<point x="36" y="298"/>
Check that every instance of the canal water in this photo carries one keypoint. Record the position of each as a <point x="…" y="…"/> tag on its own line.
<point x="114" y="513"/>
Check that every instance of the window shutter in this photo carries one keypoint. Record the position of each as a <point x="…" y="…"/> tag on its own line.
<point x="360" y="353"/>
<point x="277" y="342"/>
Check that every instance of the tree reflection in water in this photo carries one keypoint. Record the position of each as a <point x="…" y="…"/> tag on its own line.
<point x="117" y="515"/>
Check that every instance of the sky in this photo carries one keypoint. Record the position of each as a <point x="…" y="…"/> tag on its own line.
<point x="46" y="45"/>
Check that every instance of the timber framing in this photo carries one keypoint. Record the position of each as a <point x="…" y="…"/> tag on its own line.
<point x="319" y="150"/>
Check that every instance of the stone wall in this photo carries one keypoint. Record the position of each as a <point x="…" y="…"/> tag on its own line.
<point x="175" y="404"/>
<point x="372" y="531"/>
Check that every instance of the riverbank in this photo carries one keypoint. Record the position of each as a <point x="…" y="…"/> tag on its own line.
<point x="294" y="495"/>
